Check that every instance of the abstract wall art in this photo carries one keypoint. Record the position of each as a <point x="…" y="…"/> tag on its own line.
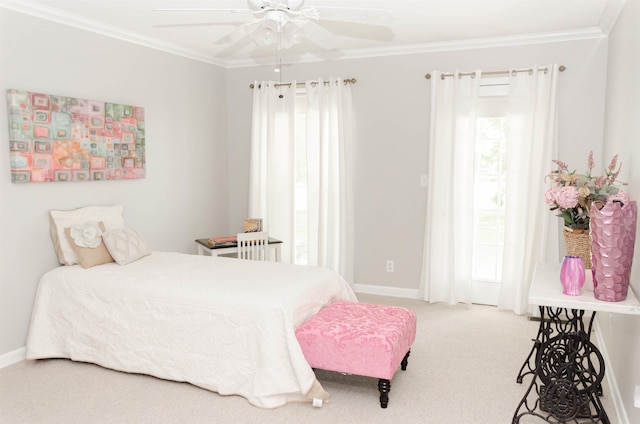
<point x="58" y="138"/>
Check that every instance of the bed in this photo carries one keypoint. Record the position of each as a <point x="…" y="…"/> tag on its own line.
<point x="223" y="324"/>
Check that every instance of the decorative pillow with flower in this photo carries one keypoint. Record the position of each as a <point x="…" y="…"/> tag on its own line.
<point x="86" y="241"/>
<point x="573" y="193"/>
<point x="111" y="216"/>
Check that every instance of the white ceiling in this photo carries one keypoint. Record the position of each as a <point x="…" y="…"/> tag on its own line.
<point x="419" y="25"/>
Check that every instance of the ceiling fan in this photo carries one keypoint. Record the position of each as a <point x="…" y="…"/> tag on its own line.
<point x="285" y="23"/>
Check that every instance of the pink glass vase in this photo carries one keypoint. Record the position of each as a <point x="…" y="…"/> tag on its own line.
<point x="613" y="236"/>
<point x="572" y="275"/>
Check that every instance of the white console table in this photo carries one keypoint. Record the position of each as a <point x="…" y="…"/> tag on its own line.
<point x="567" y="368"/>
<point x="546" y="290"/>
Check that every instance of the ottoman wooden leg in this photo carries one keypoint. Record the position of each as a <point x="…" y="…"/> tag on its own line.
<point x="405" y="360"/>
<point x="384" y="386"/>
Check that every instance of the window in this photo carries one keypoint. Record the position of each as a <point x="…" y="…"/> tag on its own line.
<point x="489" y="184"/>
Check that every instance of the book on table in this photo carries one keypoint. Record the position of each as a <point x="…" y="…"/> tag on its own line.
<point x="217" y="241"/>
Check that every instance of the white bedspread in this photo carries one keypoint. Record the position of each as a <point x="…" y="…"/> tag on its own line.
<point x="223" y="324"/>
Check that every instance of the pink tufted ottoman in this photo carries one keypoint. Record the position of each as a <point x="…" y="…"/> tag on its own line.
<point x="359" y="338"/>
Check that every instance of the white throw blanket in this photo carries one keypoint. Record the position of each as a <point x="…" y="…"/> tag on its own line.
<point x="223" y="324"/>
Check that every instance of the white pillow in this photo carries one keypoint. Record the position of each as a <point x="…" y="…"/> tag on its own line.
<point x="125" y="245"/>
<point x="111" y="216"/>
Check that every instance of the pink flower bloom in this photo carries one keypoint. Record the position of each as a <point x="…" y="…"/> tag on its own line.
<point x="599" y="181"/>
<point x="561" y="165"/>
<point x="567" y="197"/>
<point x="613" y="163"/>
<point x="550" y="196"/>
<point x="613" y="177"/>
<point x="590" y="163"/>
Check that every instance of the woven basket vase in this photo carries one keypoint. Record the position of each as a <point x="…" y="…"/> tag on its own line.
<point x="578" y="243"/>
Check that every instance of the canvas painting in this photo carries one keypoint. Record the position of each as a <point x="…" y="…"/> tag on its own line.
<point x="252" y="225"/>
<point x="58" y="138"/>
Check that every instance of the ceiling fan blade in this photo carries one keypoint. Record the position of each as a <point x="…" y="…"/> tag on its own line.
<point x="197" y="24"/>
<point x="320" y="35"/>
<point x="234" y="48"/>
<point x="324" y="53"/>
<point x="309" y="47"/>
<point x="233" y="36"/>
<point x="199" y="9"/>
<point x="242" y="31"/>
<point x="348" y="14"/>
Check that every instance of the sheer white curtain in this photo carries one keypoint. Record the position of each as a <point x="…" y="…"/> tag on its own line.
<point x="272" y="161"/>
<point x="329" y="152"/>
<point x="532" y="144"/>
<point x="329" y="145"/>
<point x="446" y="271"/>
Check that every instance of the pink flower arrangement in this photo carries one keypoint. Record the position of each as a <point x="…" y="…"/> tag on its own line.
<point x="573" y="193"/>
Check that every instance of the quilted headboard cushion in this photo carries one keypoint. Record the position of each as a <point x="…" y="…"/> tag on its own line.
<point x="111" y="216"/>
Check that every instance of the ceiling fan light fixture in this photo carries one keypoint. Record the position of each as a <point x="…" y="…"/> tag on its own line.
<point x="277" y="27"/>
<point x="266" y="33"/>
<point x="292" y="33"/>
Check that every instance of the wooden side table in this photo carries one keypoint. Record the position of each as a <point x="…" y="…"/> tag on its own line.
<point x="232" y="247"/>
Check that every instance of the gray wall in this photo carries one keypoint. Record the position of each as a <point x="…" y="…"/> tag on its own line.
<point x="391" y="103"/>
<point x="186" y="184"/>
<point x="621" y="333"/>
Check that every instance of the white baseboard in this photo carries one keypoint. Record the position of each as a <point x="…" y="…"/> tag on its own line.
<point x="386" y="291"/>
<point x="616" y="397"/>
<point x="13" y="357"/>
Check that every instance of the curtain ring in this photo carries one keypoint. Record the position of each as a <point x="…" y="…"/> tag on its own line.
<point x="514" y="73"/>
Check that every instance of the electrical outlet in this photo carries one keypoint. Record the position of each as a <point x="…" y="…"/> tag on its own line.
<point x="389" y="266"/>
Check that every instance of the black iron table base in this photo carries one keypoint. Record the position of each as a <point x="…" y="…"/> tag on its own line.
<point x="567" y="371"/>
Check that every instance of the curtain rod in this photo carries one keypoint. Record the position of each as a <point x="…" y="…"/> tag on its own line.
<point x="298" y="84"/>
<point x="442" y="76"/>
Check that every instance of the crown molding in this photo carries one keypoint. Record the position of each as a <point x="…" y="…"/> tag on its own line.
<point x="56" y="15"/>
<point x="485" y="43"/>
<point x="38" y="10"/>
<point x="610" y="15"/>
<point x="468" y="44"/>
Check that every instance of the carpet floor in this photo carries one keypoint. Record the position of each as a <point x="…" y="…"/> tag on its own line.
<point x="462" y="370"/>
